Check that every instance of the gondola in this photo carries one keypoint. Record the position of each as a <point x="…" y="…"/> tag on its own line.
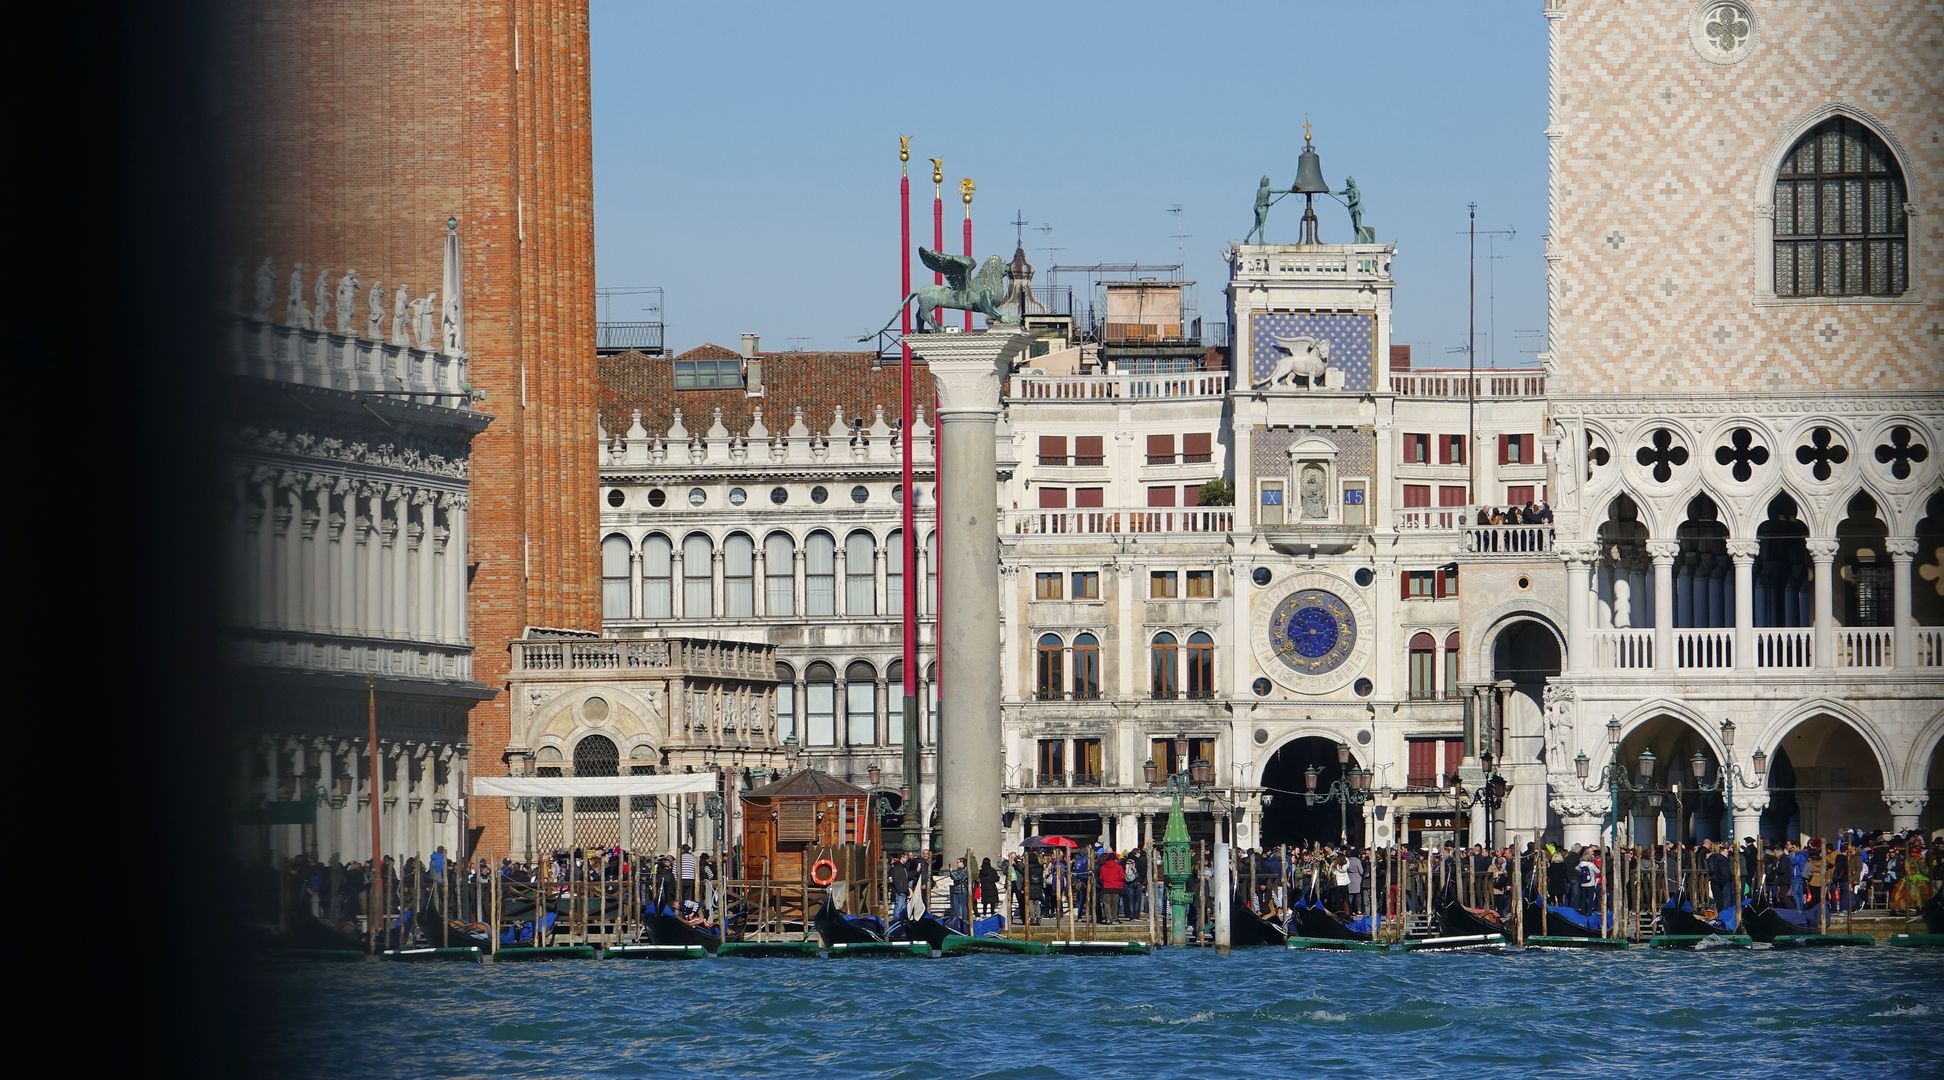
<point x="1766" y="923"/>
<point x="1556" y="921"/>
<point x="1246" y="928"/>
<point x="1934" y="912"/>
<point x="1679" y="919"/>
<point x="665" y="926"/>
<point x="1457" y="920"/>
<point x="837" y="928"/>
<point x="316" y="932"/>
<point x="1317" y="922"/>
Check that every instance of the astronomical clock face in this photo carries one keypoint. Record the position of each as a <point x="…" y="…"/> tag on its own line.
<point x="1311" y="631"/>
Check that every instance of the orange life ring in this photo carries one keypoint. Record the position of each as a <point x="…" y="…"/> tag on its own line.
<point x="823" y="872"/>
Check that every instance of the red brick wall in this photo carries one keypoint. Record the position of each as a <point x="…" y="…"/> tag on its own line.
<point x="362" y="128"/>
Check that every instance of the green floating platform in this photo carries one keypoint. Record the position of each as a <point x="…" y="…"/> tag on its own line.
<point x="780" y="949"/>
<point x="470" y="954"/>
<point x="1544" y="941"/>
<point x="1463" y="943"/>
<point x="323" y="956"/>
<point x="1916" y="941"/>
<point x="654" y="952"/>
<point x="1098" y="948"/>
<point x="881" y="948"/>
<point x="960" y="945"/>
<point x="1337" y="944"/>
<point x="1816" y="941"/>
<point x="546" y="952"/>
<point x="1699" y="941"/>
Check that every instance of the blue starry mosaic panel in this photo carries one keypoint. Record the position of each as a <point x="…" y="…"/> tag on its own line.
<point x="1352" y="337"/>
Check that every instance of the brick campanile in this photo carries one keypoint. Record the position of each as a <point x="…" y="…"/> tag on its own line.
<point x="360" y="129"/>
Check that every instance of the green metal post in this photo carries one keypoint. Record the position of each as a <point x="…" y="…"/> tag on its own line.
<point x="1174" y="852"/>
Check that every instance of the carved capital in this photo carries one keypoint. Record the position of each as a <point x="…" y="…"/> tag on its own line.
<point x="1663" y="551"/>
<point x="1743" y="551"/>
<point x="1821" y="550"/>
<point x="1901" y="548"/>
<point x="1579" y="552"/>
<point x="1559" y="692"/>
<point x="1578" y="806"/>
<point x="1906" y="803"/>
<point x="1753" y="802"/>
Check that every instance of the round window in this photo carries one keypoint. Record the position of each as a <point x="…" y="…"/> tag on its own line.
<point x="1365" y="576"/>
<point x="1261" y="575"/>
<point x="1524" y="582"/>
<point x="818" y="494"/>
<point x="616" y="497"/>
<point x="897" y="493"/>
<point x="860" y="493"/>
<point x="738" y="496"/>
<point x="697" y="497"/>
<point x="1364" y="687"/>
<point x="1261" y="689"/>
<point x="779" y="496"/>
<point x="657" y="497"/>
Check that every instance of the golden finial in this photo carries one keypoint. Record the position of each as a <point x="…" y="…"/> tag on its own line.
<point x="938" y="170"/>
<point x="904" y="148"/>
<point x="965" y="190"/>
<point x="1306" y="133"/>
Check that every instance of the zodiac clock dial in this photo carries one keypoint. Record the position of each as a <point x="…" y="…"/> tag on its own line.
<point x="1312" y="631"/>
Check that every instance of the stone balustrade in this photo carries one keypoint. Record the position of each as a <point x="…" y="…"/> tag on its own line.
<point x="1117" y="521"/>
<point x="1117" y="387"/>
<point x="326" y="358"/>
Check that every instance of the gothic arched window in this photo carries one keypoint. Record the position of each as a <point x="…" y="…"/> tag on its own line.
<point x="1840" y="228"/>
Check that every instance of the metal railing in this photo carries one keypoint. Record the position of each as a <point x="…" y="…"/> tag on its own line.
<point x="612" y="337"/>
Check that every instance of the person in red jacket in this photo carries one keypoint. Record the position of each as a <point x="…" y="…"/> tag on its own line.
<point x="1113" y="878"/>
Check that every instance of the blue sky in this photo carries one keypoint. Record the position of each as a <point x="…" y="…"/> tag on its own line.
<point x="745" y="155"/>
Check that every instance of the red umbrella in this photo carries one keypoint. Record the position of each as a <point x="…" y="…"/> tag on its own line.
<point x="1050" y="842"/>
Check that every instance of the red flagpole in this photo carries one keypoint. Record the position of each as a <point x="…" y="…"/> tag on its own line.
<point x="906" y="516"/>
<point x="938" y="223"/>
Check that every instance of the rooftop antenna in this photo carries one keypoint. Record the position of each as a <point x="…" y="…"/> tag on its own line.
<point x="797" y="342"/>
<point x="1052" y="275"/>
<point x="1181" y="241"/>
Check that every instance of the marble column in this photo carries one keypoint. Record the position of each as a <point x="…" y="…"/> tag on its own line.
<point x="1579" y="562"/>
<point x="1581" y="818"/>
<point x="1743" y="553"/>
<point x="1663" y="553"/>
<point x="1748" y="809"/>
<point x="967" y="370"/>
<point x="1903" y="633"/>
<point x="1823" y="555"/>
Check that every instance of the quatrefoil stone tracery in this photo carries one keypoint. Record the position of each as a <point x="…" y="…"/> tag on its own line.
<point x="1741" y="455"/>
<point x="1901" y="452"/>
<point x="1662" y="455"/>
<point x="1822" y="453"/>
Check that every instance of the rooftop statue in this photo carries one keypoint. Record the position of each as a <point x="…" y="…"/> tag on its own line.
<point x="963" y="290"/>
<point x="1353" y="201"/>
<point x="1264" y="196"/>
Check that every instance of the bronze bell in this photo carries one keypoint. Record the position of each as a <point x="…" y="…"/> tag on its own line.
<point x="1309" y="174"/>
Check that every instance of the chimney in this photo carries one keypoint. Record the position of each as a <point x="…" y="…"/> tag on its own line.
<point x="752" y="365"/>
<point x="1400" y="358"/>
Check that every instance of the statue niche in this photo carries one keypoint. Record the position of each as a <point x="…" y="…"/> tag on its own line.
<point x="1313" y="477"/>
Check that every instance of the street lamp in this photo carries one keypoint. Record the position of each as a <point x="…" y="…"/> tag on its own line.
<point x="1350" y="789"/>
<point x="1613" y="776"/>
<point x="1188" y="779"/>
<point x="1492" y="793"/>
<point x="1725" y="783"/>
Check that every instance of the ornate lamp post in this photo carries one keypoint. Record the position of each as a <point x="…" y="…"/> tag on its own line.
<point x="1492" y="793"/>
<point x="1190" y="779"/>
<point x="1614" y="777"/>
<point x="1350" y="789"/>
<point x="1725" y="783"/>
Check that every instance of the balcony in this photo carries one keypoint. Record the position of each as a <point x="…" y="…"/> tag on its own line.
<point x="614" y="337"/>
<point x="1867" y="647"/>
<point x="1508" y="541"/>
<point x="1462" y="386"/>
<point x="1176" y="386"/>
<point x="347" y="362"/>
<point x="1095" y="521"/>
<point x="605" y="657"/>
<point x="1793" y="648"/>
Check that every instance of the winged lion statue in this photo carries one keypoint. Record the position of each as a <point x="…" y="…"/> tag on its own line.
<point x="963" y="290"/>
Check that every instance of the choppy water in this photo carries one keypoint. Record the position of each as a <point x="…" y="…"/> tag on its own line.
<point x="1178" y="1013"/>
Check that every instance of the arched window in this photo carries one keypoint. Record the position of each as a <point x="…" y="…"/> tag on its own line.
<point x="738" y="576"/>
<point x="1451" y="666"/>
<point x="1164" y="677"/>
<point x="860" y="705"/>
<point x="1049" y="668"/>
<point x="820" y="704"/>
<point x="860" y="574"/>
<point x="928" y="595"/>
<point x="657" y="588"/>
<point x="928" y="691"/>
<point x="1423" y="655"/>
<point x="894" y="703"/>
<point x="698" y="584"/>
<point x="1201" y="665"/>
<point x="614" y="577"/>
<point x="1840" y="228"/>
<point x="894" y="561"/>
<point x="595" y="755"/>
<point x="786" y="718"/>
<point x="820" y="575"/>
<point x="1086" y="667"/>
<point x="779" y="575"/>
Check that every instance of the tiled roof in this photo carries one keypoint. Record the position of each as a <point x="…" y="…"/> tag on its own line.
<point x="819" y="382"/>
<point x="709" y="351"/>
<point x="808" y="783"/>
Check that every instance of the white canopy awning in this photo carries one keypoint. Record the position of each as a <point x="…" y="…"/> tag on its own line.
<point x="555" y="787"/>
